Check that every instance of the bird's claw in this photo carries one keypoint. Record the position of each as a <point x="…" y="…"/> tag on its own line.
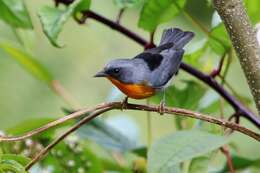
<point x="161" y="108"/>
<point x="124" y="103"/>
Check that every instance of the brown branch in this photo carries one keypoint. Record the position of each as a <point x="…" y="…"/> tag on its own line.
<point x="51" y="124"/>
<point x="43" y="152"/>
<point x="243" y="37"/>
<point x="226" y="152"/>
<point x="118" y="105"/>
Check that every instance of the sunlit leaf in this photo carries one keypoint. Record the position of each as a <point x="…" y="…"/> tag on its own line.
<point x="27" y="62"/>
<point x="199" y="165"/>
<point x="53" y="19"/>
<point x="253" y="8"/>
<point x="181" y="146"/>
<point x="13" y="163"/>
<point x="155" y="12"/>
<point x="14" y="13"/>
<point x="219" y="39"/>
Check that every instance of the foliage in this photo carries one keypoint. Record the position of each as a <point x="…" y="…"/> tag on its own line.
<point x="183" y="145"/>
<point x="101" y="147"/>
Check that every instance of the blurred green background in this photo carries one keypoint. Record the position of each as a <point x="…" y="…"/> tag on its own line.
<point x="86" y="49"/>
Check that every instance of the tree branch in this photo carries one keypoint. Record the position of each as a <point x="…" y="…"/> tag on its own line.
<point x="243" y="37"/>
<point x="207" y="79"/>
<point x="226" y="152"/>
<point x="98" y="110"/>
<point x="43" y="152"/>
<point x="118" y="105"/>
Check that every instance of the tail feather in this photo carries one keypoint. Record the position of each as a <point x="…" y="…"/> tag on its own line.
<point x="177" y="37"/>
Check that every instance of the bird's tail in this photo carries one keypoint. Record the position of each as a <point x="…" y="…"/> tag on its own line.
<point x="177" y="37"/>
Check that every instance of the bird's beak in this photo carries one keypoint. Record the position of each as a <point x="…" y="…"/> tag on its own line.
<point x="101" y="74"/>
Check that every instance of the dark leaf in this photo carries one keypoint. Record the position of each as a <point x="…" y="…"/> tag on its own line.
<point x="155" y="12"/>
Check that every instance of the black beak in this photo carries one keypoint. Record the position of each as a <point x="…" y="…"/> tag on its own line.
<point x="101" y="74"/>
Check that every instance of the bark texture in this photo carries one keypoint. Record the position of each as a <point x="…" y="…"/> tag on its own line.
<point x="243" y="38"/>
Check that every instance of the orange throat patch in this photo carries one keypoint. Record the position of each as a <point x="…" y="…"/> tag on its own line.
<point x="135" y="91"/>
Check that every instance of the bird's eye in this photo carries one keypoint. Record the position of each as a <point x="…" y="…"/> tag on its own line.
<point x="116" y="70"/>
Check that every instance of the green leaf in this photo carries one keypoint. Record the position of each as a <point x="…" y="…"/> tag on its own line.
<point x="199" y="165"/>
<point x="253" y="8"/>
<point x="13" y="163"/>
<point x="188" y="96"/>
<point x="241" y="163"/>
<point x="155" y="12"/>
<point x="53" y="19"/>
<point x="14" y="13"/>
<point x="126" y="3"/>
<point x="105" y="135"/>
<point x="181" y="146"/>
<point x="83" y="5"/>
<point x="219" y="40"/>
<point x="194" y="58"/>
<point x="28" y="63"/>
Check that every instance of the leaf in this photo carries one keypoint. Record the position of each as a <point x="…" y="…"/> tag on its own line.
<point x="14" y="13"/>
<point x="13" y="163"/>
<point x="155" y="12"/>
<point x="186" y="97"/>
<point x="126" y="3"/>
<point x="241" y="163"/>
<point x="219" y="39"/>
<point x="253" y="8"/>
<point x="181" y="146"/>
<point x="53" y="19"/>
<point x="28" y="63"/>
<point x="105" y="135"/>
<point x="199" y="165"/>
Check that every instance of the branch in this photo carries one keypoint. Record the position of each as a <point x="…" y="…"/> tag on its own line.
<point x="43" y="152"/>
<point x="225" y="151"/>
<point x="243" y="37"/>
<point x="237" y="106"/>
<point x="150" y="108"/>
<point x="102" y="108"/>
<point x="51" y="124"/>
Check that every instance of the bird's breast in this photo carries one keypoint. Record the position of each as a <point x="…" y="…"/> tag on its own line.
<point x="135" y="91"/>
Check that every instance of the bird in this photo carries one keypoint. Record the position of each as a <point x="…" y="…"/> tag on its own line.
<point x="150" y="71"/>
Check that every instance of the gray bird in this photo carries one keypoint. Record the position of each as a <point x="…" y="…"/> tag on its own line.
<point x="150" y="71"/>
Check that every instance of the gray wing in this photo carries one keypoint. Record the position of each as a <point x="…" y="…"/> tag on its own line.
<point x="169" y="66"/>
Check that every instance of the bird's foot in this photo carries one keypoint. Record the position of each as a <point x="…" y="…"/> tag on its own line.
<point x="124" y="103"/>
<point x="161" y="107"/>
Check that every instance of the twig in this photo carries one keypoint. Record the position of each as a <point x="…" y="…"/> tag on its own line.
<point x="40" y="155"/>
<point x="118" y="105"/>
<point x="189" y="69"/>
<point x="51" y="124"/>
<point x="225" y="151"/>
<point x="120" y="14"/>
<point x="216" y="72"/>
